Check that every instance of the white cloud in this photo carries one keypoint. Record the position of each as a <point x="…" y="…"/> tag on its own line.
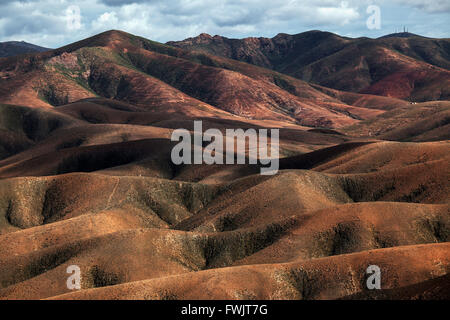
<point x="341" y="15"/>
<point x="106" y="20"/>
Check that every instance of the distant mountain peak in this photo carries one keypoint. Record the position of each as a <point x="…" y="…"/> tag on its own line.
<point x="401" y="35"/>
<point x="204" y="35"/>
<point x="14" y="48"/>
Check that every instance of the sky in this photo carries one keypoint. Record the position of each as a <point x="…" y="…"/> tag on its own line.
<point x="54" y="23"/>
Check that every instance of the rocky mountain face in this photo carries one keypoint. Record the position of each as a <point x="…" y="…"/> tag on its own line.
<point x="403" y="66"/>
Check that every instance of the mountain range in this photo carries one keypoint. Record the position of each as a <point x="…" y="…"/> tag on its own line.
<point x="404" y="65"/>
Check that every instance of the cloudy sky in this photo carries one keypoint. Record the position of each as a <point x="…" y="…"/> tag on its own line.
<point x="53" y="23"/>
